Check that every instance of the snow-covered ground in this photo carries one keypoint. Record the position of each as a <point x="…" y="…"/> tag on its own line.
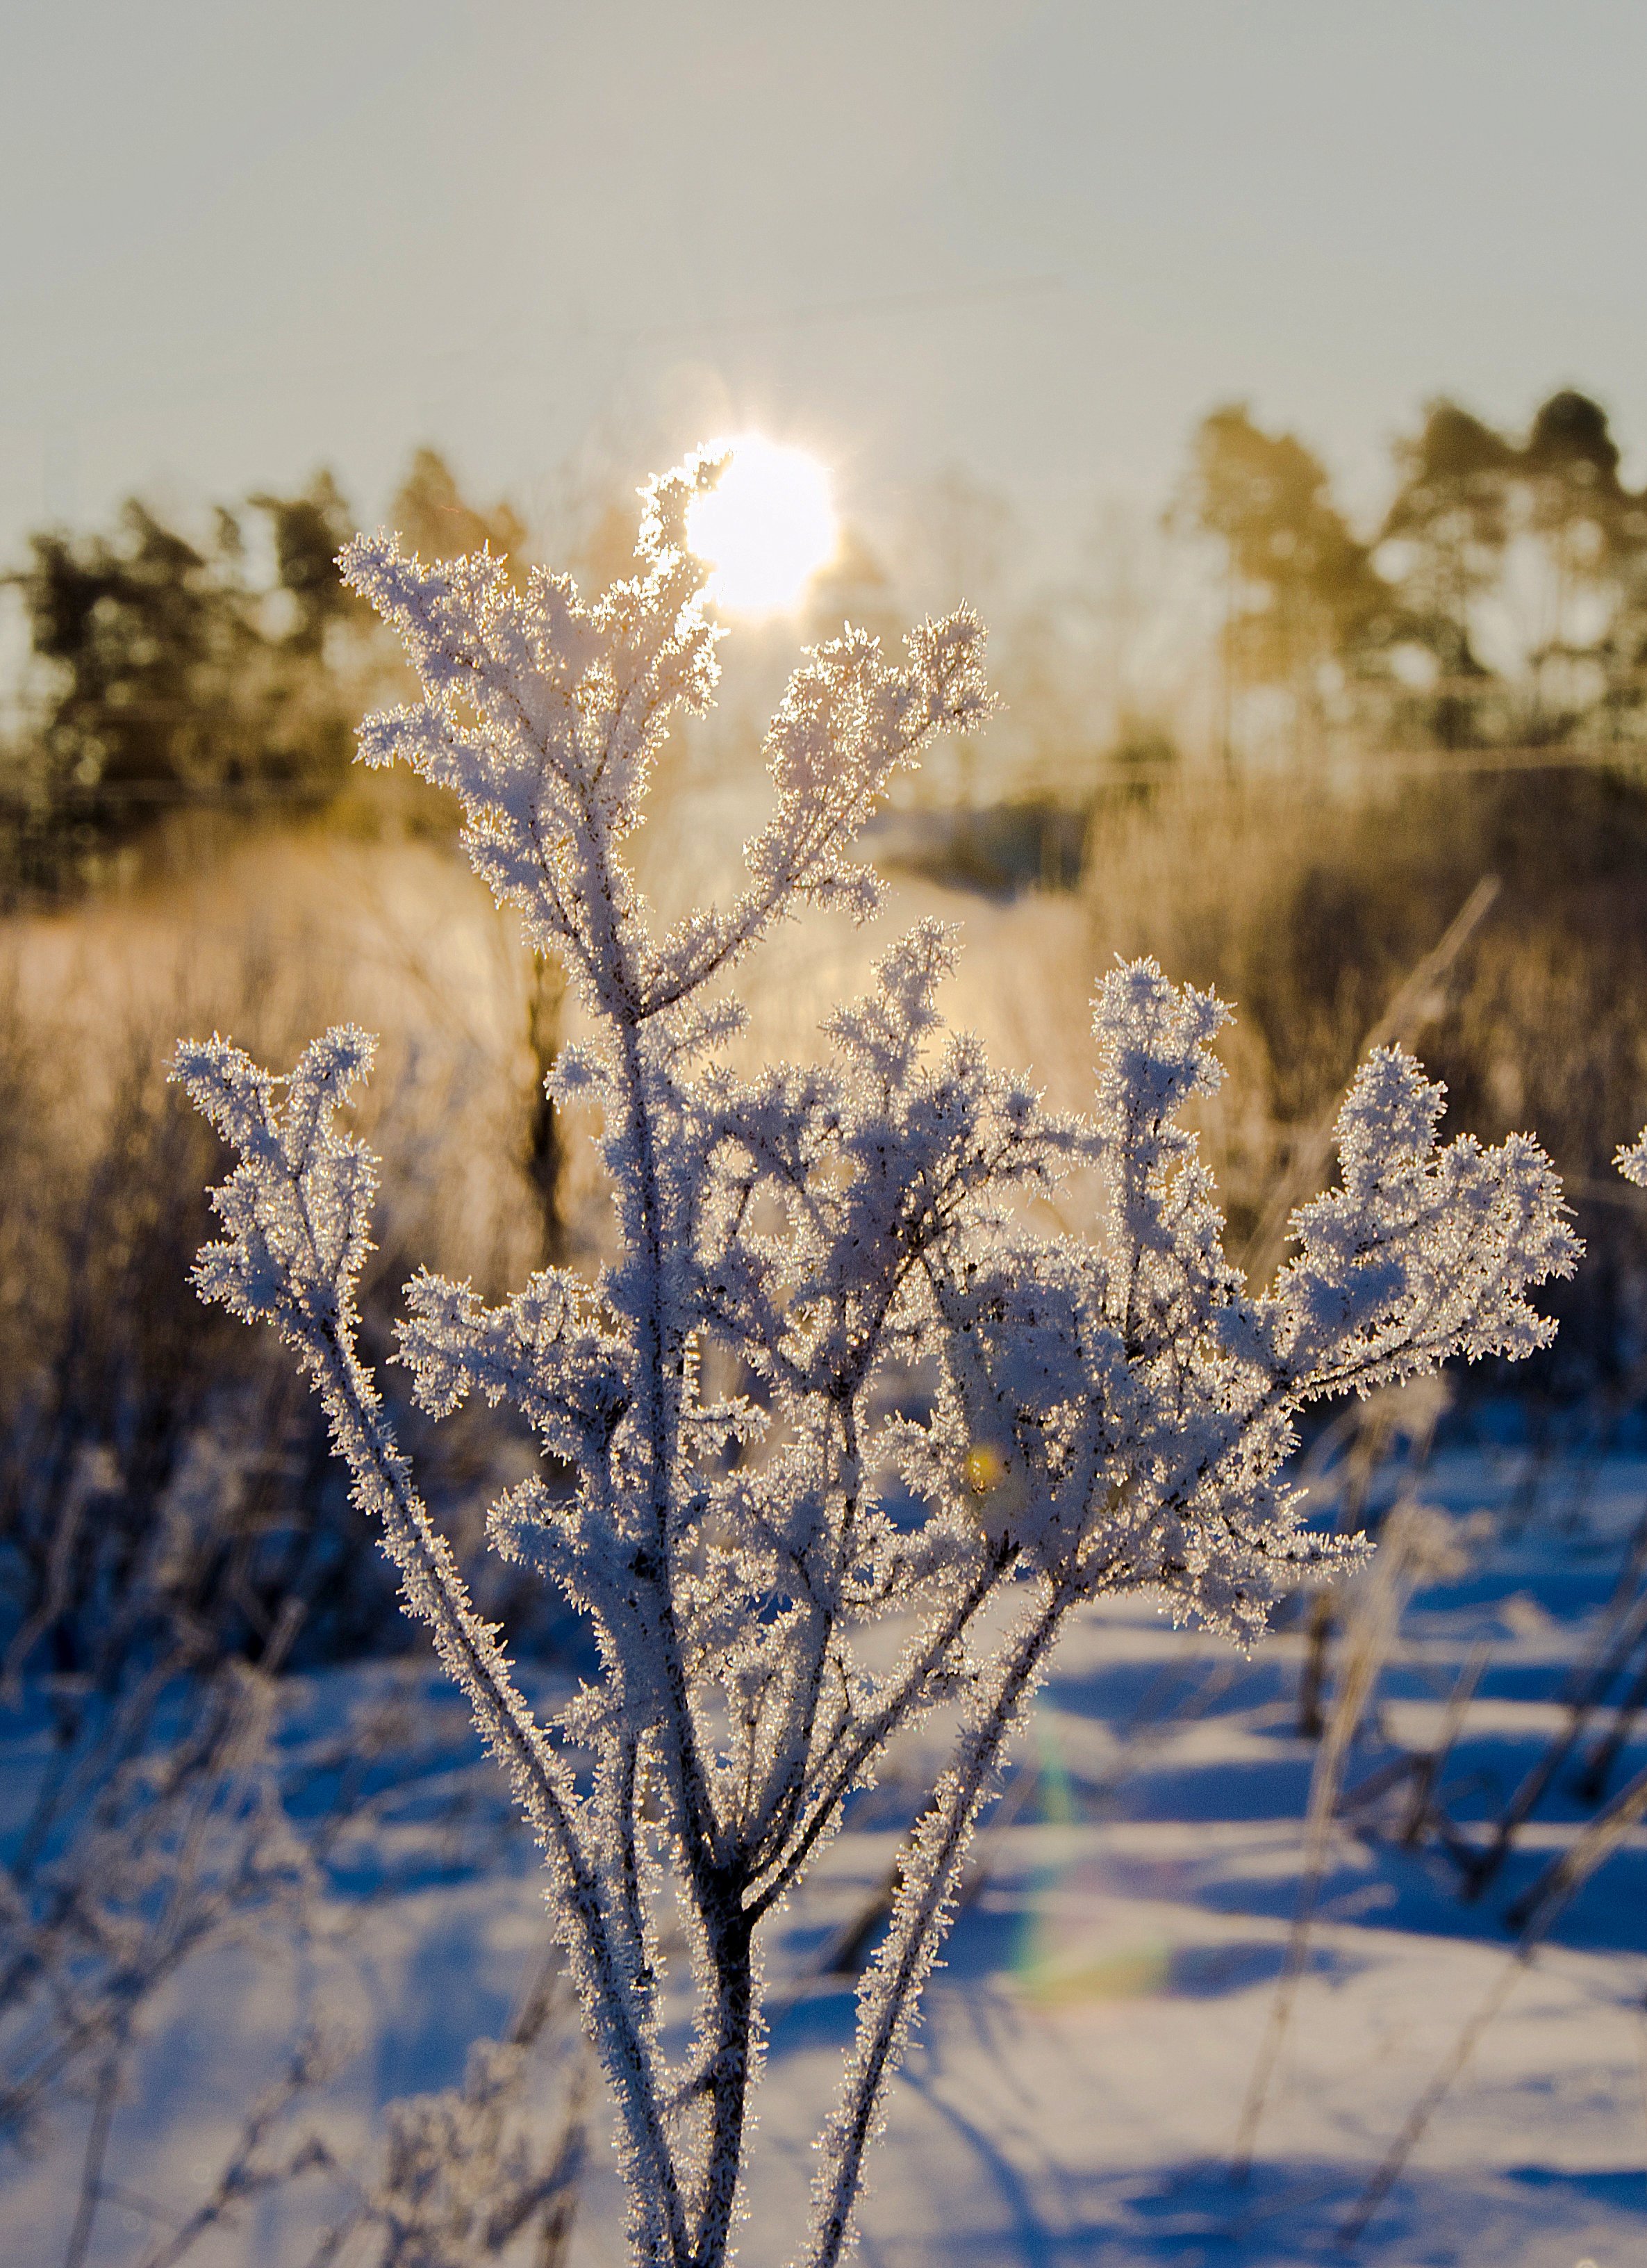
<point x="1075" y="2090"/>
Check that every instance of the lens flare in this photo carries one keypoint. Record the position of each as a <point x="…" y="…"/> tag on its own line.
<point x="1076" y="1943"/>
<point x="766" y="528"/>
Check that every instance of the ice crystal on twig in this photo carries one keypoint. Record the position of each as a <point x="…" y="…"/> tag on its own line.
<point x="1108" y="1415"/>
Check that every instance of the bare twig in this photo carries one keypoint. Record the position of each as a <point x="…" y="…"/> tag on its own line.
<point x="1620" y="1629"/>
<point x="95" y="2155"/>
<point x="1372" y="1632"/>
<point x="1534" y="1913"/>
<point x="1429" y="1767"/>
<point x="1419" y="1000"/>
<point x="244" y="2176"/>
<point x="1599" y="1765"/>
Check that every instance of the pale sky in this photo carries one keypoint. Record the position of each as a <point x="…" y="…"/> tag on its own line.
<point x="1037" y="241"/>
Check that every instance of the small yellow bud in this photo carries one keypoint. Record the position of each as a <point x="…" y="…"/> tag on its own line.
<point x="985" y="1468"/>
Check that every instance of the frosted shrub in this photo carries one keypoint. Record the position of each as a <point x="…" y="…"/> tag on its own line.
<point x="1107" y="1415"/>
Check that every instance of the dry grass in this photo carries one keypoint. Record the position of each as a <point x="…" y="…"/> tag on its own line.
<point x="1306" y="901"/>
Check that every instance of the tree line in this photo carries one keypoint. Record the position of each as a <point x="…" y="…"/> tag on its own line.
<point x="1501" y="596"/>
<point x="1499" y="600"/>
<point x="228" y="666"/>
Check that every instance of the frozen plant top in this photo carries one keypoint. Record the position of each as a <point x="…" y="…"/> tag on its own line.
<point x="751" y="1482"/>
<point x="546" y="717"/>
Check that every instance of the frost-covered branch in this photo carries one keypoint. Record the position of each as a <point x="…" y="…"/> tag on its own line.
<point x="296" y="1208"/>
<point x="735" y="1488"/>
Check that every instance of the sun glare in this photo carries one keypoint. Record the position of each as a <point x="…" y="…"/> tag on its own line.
<point x="766" y="528"/>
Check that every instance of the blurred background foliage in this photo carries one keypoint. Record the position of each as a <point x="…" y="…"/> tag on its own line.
<point x="1277" y="749"/>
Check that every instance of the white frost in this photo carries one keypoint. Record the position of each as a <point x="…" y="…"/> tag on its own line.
<point x="1111" y="1414"/>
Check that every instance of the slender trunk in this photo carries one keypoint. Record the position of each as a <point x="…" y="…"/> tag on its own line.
<point x="545" y="1147"/>
<point x="731" y="1937"/>
<point x="920" y="1921"/>
<point x="1592" y="1781"/>
<point x="434" y="1590"/>
<point x="663" y="1359"/>
<point x="1312" y="1678"/>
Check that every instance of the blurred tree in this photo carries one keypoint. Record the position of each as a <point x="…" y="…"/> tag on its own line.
<point x="433" y="518"/>
<point x="602" y="549"/>
<point x="957" y="538"/>
<point x="854" y="587"/>
<point x="309" y="531"/>
<point x="1451" y="517"/>
<point x="173" y="670"/>
<point x="964" y="540"/>
<point x="1302" y="592"/>
<point x="1544" y="532"/>
<point x="147" y="635"/>
<point x="168" y="673"/>
<point x="1621" y="651"/>
<point x="1578" y="510"/>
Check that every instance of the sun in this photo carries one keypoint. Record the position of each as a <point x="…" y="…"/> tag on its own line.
<point x="766" y="528"/>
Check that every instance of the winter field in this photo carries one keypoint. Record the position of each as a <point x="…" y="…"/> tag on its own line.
<point x="1077" y="2085"/>
<point x="1074" y="2093"/>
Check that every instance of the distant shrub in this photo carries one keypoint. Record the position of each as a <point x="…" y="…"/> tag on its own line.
<point x="1308" y="902"/>
<point x="157" y="1464"/>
